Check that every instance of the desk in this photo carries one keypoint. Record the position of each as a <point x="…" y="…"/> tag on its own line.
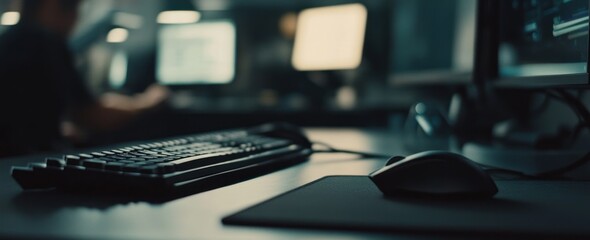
<point x="58" y="215"/>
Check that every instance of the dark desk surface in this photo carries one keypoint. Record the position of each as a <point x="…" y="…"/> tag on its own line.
<point x="59" y="215"/>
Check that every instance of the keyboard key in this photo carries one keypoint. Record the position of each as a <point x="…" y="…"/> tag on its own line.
<point x="199" y="161"/>
<point x="149" y="169"/>
<point x="94" y="163"/>
<point x="157" y="160"/>
<point x="74" y="168"/>
<point x="97" y="154"/>
<point x="71" y="157"/>
<point x="114" y="166"/>
<point x="73" y="160"/>
<point x="147" y="152"/>
<point x="275" y="144"/>
<point x="85" y="156"/>
<point x="55" y="162"/>
<point x="143" y="163"/>
<point x="108" y="159"/>
<point x="37" y="165"/>
<point x="164" y="168"/>
<point x="28" y="178"/>
<point x="131" y="167"/>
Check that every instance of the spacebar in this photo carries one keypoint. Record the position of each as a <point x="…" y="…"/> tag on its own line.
<point x="231" y="164"/>
<point x="204" y="160"/>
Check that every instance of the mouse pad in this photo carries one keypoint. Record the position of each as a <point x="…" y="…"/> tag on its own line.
<point x="354" y="203"/>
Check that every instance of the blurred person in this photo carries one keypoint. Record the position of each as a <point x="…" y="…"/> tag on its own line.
<point x="41" y="92"/>
<point x="283" y="86"/>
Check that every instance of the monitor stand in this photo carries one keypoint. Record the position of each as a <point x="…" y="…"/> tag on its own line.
<point x="517" y="146"/>
<point x="529" y="151"/>
<point x="509" y="145"/>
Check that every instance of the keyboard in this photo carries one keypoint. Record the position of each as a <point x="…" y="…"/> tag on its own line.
<point x="192" y="163"/>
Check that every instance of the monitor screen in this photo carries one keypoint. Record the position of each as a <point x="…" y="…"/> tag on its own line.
<point x="330" y="38"/>
<point x="543" y="43"/>
<point x="542" y="38"/>
<point x="200" y="53"/>
<point x="432" y="41"/>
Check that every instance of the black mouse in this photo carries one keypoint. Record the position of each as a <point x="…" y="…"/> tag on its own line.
<point x="285" y="131"/>
<point x="434" y="173"/>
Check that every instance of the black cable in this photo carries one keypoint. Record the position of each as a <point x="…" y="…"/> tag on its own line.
<point x="330" y="149"/>
<point x="577" y="131"/>
<point x="493" y="171"/>
<point x="546" y="175"/>
<point x="542" y="107"/>
<point x="584" y="116"/>
<point x="576" y="104"/>
<point x="560" y="98"/>
<point x="582" y="124"/>
<point x="560" y="171"/>
<point x="573" y="102"/>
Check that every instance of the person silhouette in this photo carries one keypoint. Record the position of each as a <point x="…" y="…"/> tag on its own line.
<point x="40" y="88"/>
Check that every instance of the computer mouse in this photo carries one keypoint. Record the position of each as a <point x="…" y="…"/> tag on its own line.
<point x="434" y="173"/>
<point x="285" y="131"/>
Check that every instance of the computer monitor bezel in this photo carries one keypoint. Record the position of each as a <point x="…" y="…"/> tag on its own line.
<point x="491" y="29"/>
<point x="437" y="76"/>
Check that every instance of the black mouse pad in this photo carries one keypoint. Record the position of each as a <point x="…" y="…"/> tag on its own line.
<point x="354" y="203"/>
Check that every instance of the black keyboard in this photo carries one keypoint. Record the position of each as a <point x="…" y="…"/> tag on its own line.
<point x="191" y="163"/>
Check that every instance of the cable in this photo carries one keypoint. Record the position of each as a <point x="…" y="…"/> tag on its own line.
<point x="578" y="107"/>
<point x="330" y="149"/>
<point x="573" y="102"/>
<point x="551" y="174"/>
<point x="584" y="117"/>
<point x="560" y="171"/>
<point x="577" y="131"/>
<point x="542" y="106"/>
<point x="492" y="170"/>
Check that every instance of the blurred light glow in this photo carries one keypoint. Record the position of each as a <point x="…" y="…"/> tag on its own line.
<point x="330" y="38"/>
<point x="117" y="35"/>
<point x="346" y="97"/>
<point x="464" y="45"/>
<point x="543" y="69"/>
<point x="213" y="5"/>
<point x="178" y="17"/>
<point x="10" y="18"/>
<point x="128" y="20"/>
<point x="201" y="53"/>
<point x="118" y="70"/>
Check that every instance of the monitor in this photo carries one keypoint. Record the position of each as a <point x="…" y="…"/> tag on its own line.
<point x="199" y="53"/>
<point x="330" y="38"/>
<point x="542" y="43"/>
<point x="432" y="41"/>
